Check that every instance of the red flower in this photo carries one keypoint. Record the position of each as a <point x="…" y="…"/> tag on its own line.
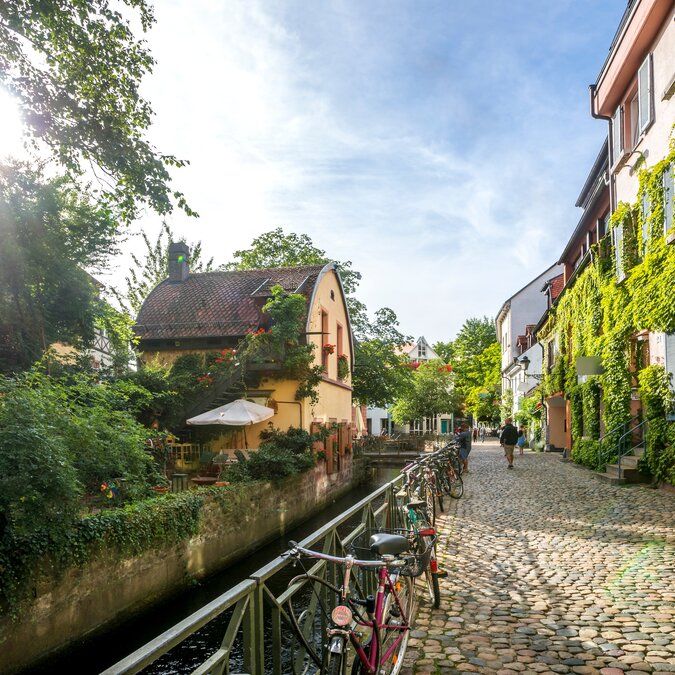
<point x="328" y="348"/>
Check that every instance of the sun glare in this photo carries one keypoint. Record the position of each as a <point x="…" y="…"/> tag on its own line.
<point x="11" y="128"/>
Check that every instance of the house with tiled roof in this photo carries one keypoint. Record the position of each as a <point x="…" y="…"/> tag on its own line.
<point x="211" y="311"/>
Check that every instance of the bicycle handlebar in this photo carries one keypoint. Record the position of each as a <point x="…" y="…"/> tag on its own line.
<point x="296" y="550"/>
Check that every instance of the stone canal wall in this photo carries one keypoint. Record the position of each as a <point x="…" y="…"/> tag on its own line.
<point x="112" y="589"/>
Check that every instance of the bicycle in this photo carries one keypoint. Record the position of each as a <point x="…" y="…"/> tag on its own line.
<point x="380" y="638"/>
<point x="416" y="521"/>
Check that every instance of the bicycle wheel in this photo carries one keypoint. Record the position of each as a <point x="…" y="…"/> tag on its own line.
<point x="429" y="493"/>
<point x="393" y="617"/>
<point x="433" y="587"/>
<point x="456" y="487"/>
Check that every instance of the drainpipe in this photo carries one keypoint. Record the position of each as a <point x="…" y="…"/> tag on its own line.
<point x="597" y="116"/>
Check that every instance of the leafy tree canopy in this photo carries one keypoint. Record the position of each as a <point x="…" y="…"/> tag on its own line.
<point x="379" y="375"/>
<point x="76" y="69"/>
<point x="50" y="231"/>
<point x="431" y="393"/>
<point x="153" y="267"/>
<point x="276" y="249"/>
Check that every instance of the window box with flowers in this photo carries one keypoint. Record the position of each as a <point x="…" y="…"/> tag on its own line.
<point x="343" y="366"/>
<point x="328" y="348"/>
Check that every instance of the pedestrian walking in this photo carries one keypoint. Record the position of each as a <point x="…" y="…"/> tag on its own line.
<point x="508" y="439"/>
<point x="464" y="440"/>
<point x="482" y="434"/>
<point x="521" y="440"/>
<point x="475" y="434"/>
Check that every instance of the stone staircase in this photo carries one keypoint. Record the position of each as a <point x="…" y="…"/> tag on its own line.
<point x="628" y="472"/>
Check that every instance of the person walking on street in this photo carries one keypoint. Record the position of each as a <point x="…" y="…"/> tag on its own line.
<point x="482" y="434"/>
<point x="464" y="440"/>
<point x="508" y="438"/>
<point x="475" y="434"/>
<point x="521" y="440"/>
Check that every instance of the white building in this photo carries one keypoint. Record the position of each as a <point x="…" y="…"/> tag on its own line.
<point x="515" y="324"/>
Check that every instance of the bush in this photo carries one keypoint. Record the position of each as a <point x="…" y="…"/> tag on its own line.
<point x="585" y="452"/>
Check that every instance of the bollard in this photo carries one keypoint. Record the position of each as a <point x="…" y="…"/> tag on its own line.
<point x="179" y="482"/>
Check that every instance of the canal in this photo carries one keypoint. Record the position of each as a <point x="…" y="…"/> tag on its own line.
<point x="93" y="655"/>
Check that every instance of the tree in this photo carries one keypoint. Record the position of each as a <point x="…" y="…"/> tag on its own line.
<point x="481" y="399"/>
<point x="146" y="274"/>
<point x="50" y="231"/>
<point x="76" y="69"/>
<point x="276" y="249"/>
<point x="431" y="393"/>
<point x="379" y="375"/>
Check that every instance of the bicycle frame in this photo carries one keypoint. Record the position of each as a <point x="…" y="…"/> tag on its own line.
<point x="371" y="659"/>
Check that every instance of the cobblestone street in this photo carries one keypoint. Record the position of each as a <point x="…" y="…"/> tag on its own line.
<point x="550" y="571"/>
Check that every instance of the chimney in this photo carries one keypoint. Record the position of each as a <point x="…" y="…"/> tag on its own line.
<point x="179" y="259"/>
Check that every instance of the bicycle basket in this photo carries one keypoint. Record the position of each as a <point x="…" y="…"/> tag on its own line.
<point x="417" y="558"/>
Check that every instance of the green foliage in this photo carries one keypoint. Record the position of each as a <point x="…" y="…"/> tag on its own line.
<point x="281" y="454"/>
<point x="431" y="393"/>
<point x="381" y="375"/>
<point x="476" y="359"/>
<point x="50" y="230"/>
<point x="276" y="249"/>
<point x="657" y="396"/>
<point x="146" y="273"/>
<point x="599" y="315"/>
<point x="585" y="452"/>
<point x="506" y="405"/>
<point x="76" y="68"/>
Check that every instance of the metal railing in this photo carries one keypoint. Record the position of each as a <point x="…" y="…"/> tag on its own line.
<point x="608" y="443"/>
<point x="627" y="445"/>
<point x="259" y="622"/>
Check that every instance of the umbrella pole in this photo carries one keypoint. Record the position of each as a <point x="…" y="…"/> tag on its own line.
<point x="245" y="441"/>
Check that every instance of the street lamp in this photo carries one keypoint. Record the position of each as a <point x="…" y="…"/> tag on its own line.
<point x="525" y="364"/>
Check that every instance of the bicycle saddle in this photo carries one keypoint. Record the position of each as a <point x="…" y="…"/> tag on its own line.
<point x="383" y="543"/>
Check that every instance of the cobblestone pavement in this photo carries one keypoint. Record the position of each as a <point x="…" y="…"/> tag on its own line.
<point x="550" y="571"/>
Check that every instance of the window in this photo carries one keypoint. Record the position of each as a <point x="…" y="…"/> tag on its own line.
<point x="668" y="199"/>
<point x="421" y="351"/>
<point x="645" y="208"/>
<point x="634" y="115"/>
<point x="601" y="227"/>
<point x="338" y="340"/>
<point x="324" y="339"/>
<point x="616" y="130"/>
<point x="645" y="95"/>
<point x="617" y="240"/>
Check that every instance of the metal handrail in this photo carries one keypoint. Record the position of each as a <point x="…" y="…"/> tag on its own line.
<point x="602" y="454"/>
<point x="253" y="597"/>
<point x="623" y="452"/>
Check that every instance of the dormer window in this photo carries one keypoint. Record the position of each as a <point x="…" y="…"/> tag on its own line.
<point x="421" y="351"/>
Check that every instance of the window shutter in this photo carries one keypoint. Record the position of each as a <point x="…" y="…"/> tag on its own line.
<point x="668" y="198"/>
<point x="645" y="208"/>
<point x="617" y="235"/>
<point x="645" y="94"/>
<point x="616" y="129"/>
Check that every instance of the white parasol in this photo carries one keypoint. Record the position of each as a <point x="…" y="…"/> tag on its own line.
<point x="238" y="413"/>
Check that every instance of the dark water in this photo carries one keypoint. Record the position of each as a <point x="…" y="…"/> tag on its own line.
<point x="91" y="656"/>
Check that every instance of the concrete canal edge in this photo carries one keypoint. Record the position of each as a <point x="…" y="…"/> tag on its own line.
<point x="112" y="589"/>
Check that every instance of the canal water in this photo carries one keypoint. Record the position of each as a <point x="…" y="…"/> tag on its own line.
<point x="93" y="655"/>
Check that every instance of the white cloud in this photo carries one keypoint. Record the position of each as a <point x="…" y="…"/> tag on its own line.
<point x="443" y="162"/>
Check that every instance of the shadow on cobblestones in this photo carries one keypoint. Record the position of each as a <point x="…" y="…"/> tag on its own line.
<point x="550" y="571"/>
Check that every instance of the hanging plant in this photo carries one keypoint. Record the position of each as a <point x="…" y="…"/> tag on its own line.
<point x="343" y="366"/>
<point x="328" y="348"/>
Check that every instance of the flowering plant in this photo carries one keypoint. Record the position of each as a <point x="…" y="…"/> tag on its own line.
<point x="110" y="489"/>
<point x="328" y="348"/>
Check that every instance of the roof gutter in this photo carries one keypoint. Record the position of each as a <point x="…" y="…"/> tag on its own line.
<point x="592" y="88"/>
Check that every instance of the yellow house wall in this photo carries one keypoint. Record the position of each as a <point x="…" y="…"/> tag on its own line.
<point x="335" y="396"/>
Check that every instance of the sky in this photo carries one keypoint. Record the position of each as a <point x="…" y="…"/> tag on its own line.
<point x="438" y="145"/>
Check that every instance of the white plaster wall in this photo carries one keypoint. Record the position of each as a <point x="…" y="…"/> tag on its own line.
<point x="376" y="415"/>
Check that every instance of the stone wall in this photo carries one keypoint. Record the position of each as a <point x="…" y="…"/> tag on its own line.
<point x="112" y="589"/>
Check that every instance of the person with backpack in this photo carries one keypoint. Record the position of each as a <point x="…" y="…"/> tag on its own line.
<point x="508" y="439"/>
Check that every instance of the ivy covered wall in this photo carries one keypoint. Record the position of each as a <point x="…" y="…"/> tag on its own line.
<point x="628" y="286"/>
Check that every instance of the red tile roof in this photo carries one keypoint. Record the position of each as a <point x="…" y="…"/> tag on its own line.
<point x="217" y="304"/>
